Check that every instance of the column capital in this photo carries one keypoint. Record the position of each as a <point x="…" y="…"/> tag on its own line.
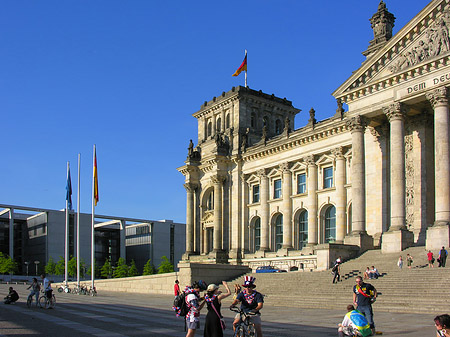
<point x="190" y="187"/>
<point x="310" y="160"/>
<point x="395" y="111"/>
<point x="284" y="167"/>
<point x="218" y="179"/>
<point x="357" y="123"/>
<point x="338" y="153"/>
<point x="437" y="97"/>
<point x="262" y="173"/>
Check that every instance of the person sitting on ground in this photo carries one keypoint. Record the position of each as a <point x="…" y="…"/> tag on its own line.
<point x="12" y="296"/>
<point x="442" y="323"/>
<point x="354" y="324"/>
<point x="367" y="273"/>
<point x="373" y="273"/>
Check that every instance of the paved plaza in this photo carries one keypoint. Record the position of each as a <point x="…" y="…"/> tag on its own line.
<point x="119" y="314"/>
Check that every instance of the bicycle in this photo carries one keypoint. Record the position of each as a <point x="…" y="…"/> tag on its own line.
<point x="64" y="288"/>
<point x="30" y="300"/>
<point x="92" y="291"/>
<point x="82" y="289"/>
<point x="245" y="328"/>
<point x="47" y="303"/>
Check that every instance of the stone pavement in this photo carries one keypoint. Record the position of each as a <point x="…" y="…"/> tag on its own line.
<point x="119" y="314"/>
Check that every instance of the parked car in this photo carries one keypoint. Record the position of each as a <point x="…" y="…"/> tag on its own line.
<point x="269" y="269"/>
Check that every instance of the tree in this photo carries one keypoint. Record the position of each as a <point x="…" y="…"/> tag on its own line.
<point x="121" y="269"/>
<point x="50" y="267"/>
<point x="72" y="266"/>
<point x="165" y="266"/>
<point x="60" y="268"/>
<point x="148" y="268"/>
<point x="106" y="270"/>
<point x="7" y="265"/>
<point x="96" y="268"/>
<point x="132" y="270"/>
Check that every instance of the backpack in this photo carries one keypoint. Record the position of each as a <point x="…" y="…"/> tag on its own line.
<point x="335" y="267"/>
<point x="180" y="306"/>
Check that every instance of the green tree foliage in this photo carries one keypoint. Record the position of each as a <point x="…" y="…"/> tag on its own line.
<point x="60" y="267"/>
<point x="72" y="267"/>
<point x="106" y="270"/>
<point x="148" y="268"/>
<point x="82" y="268"/>
<point x="7" y="265"/>
<point x="97" y="270"/>
<point x="132" y="270"/>
<point x="50" y="267"/>
<point x="121" y="269"/>
<point x="165" y="266"/>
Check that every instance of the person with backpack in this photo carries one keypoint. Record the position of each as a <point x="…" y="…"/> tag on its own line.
<point x="190" y="306"/>
<point x="442" y="257"/>
<point x="354" y="324"/>
<point x="336" y="270"/>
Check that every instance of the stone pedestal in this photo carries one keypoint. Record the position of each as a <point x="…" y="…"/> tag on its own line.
<point x="396" y="240"/>
<point x="362" y="240"/>
<point x="438" y="236"/>
<point x="219" y="256"/>
<point x="283" y="251"/>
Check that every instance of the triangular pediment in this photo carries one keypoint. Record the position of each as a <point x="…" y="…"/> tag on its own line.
<point x="413" y="51"/>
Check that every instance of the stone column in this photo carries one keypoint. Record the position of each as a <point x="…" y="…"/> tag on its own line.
<point x="312" y="200"/>
<point x="264" y="197"/>
<point x="218" y="184"/>
<point x="439" y="101"/>
<point x="287" y="206"/>
<point x="11" y="233"/>
<point x="357" y="126"/>
<point x="341" y="195"/>
<point x="123" y="238"/>
<point x="439" y="234"/>
<point x="190" y="190"/>
<point x="396" y="115"/>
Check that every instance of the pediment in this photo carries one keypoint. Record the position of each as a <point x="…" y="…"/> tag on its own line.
<point x="415" y="50"/>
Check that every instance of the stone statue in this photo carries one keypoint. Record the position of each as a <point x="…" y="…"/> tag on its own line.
<point x="312" y="116"/>
<point x="190" y="148"/>
<point x="244" y="140"/>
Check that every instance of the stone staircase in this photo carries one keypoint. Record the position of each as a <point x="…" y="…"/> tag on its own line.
<point x="416" y="290"/>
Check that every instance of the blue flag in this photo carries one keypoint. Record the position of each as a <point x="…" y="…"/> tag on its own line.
<point x="69" y="190"/>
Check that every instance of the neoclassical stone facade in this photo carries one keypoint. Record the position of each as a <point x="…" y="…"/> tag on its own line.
<point x="374" y="175"/>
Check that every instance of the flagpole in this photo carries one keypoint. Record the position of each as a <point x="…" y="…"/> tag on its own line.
<point x="92" y="224"/>
<point x="246" y="70"/>
<point x="78" y="222"/>
<point x="66" y="241"/>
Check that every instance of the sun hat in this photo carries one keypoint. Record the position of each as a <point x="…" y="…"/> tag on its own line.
<point x="249" y="282"/>
<point x="212" y="287"/>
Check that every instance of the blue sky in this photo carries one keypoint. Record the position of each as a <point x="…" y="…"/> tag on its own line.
<point x="128" y="75"/>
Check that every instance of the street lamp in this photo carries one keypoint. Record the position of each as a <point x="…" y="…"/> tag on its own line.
<point x="27" y="263"/>
<point x="36" y="263"/>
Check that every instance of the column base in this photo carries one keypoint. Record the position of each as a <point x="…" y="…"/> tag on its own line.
<point x="283" y="251"/>
<point x="360" y="239"/>
<point x="186" y="255"/>
<point x="235" y="254"/>
<point x="438" y="236"/>
<point x="220" y="256"/>
<point x="396" y="240"/>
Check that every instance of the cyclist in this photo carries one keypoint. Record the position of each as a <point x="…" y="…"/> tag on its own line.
<point x="35" y="290"/>
<point x="251" y="301"/>
<point x="47" y="285"/>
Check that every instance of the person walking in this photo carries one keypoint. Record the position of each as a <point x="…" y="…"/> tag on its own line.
<point x="442" y="257"/>
<point x="430" y="259"/>
<point x="409" y="261"/>
<point x="364" y="294"/>
<point x="193" y="302"/>
<point x="337" y="271"/>
<point x="400" y="262"/>
<point x="176" y="288"/>
<point x="213" y="321"/>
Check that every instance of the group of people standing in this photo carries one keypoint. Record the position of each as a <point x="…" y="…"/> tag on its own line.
<point x="441" y="260"/>
<point x="250" y="299"/>
<point x="35" y="287"/>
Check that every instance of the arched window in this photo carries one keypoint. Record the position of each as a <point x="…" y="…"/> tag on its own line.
<point x="303" y="229"/>
<point x="330" y="224"/>
<point x="209" y="129"/>
<point x="266" y="122"/>
<point x="279" y="232"/>
<point x="219" y="125"/>
<point x="210" y="201"/>
<point x="227" y="121"/>
<point x="278" y="127"/>
<point x="257" y="234"/>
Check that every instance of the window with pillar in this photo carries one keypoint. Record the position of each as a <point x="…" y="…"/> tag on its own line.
<point x="303" y="229"/>
<point x="277" y="189"/>
<point x="219" y="125"/>
<point x="255" y="194"/>
<point x="278" y="127"/>
<point x="279" y="232"/>
<point x="210" y="201"/>
<point x="328" y="177"/>
<point x="301" y="183"/>
<point x="257" y="234"/>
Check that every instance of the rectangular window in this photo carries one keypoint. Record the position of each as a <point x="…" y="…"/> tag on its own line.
<point x="328" y="177"/>
<point x="255" y="193"/>
<point x="301" y="183"/>
<point x="277" y="189"/>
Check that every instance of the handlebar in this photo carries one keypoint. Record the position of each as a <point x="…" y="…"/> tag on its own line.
<point x="239" y="311"/>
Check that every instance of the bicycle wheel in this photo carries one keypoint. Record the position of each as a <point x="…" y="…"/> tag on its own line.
<point x="251" y="331"/>
<point x="60" y="289"/>
<point x="92" y="292"/>
<point x="29" y="301"/>
<point x="75" y="291"/>
<point x="52" y="302"/>
<point x="43" y="302"/>
<point x="240" y="332"/>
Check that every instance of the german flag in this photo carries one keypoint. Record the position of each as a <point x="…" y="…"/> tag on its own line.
<point x="242" y="67"/>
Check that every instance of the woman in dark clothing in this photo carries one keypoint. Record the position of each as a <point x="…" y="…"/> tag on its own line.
<point x="213" y="299"/>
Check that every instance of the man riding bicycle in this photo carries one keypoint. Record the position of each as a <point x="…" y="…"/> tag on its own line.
<point x="251" y="301"/>
<point x="46" y="284"/>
